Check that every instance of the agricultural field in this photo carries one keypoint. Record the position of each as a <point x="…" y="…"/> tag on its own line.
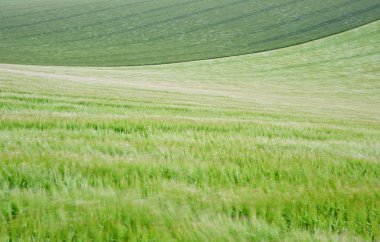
<point x="96" y="144"/>
<point x="140" y="32"/>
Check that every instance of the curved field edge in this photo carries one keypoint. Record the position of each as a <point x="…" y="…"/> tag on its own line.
<point x="119" y="33"/>
<point x="280" y="145"/>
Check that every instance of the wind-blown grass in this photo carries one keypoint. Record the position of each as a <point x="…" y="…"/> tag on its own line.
<point x="120" y="32"/>
<point x="281" y="145"/>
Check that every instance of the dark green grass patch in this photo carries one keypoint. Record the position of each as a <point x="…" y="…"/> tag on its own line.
<point x="119" y="33"/>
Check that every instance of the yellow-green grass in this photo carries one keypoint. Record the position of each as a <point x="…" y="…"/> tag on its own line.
<point x="139" y="32"/>
<point x="281" y="145"/>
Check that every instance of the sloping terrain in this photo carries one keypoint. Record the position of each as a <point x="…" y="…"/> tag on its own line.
<point x="279" y="145"/>
<point x="138" y="32"/>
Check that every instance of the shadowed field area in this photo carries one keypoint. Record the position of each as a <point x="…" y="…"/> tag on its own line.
<point x="131" y="32"/>
<point x="280" y="145"/>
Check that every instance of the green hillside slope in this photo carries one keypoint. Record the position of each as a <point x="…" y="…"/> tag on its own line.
<point x="136" y="32"/>
<point x="275" y="146"/>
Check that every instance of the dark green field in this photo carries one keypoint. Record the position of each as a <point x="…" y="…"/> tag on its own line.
<point x="119" y="33"/>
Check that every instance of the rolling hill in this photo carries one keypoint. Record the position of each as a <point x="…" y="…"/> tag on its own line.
<point x="274" y="146"/>
<point x="138" y="32"/>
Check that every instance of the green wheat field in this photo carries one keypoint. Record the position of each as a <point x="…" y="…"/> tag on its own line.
<point x="265" y="126"/>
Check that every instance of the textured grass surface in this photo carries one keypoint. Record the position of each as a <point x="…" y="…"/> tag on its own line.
<point x="120" y="32"/>
<point x="281" y="145"/>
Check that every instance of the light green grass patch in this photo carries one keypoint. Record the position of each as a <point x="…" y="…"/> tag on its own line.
<point x="281" y="145"/>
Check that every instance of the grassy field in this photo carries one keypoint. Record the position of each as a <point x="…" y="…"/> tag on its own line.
<point x="276" y="146"/>
<point x="135" y="32"/>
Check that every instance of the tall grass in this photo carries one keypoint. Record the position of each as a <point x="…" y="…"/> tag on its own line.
<point x="283" y="145"/>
